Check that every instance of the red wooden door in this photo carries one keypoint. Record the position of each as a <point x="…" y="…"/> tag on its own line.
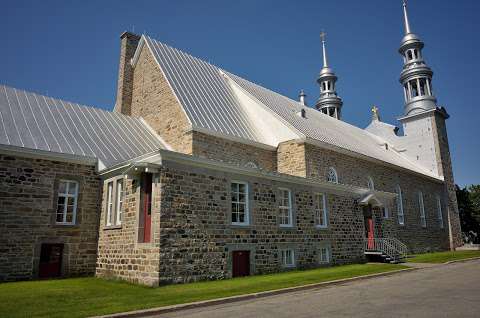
<point x="50" y="260"/>
<point x="371" y="241"/>
<point x="240" y="263"/>
<point x="147" y="208"/>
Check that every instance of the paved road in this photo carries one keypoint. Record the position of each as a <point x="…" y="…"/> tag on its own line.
<point x="442" y="291"/>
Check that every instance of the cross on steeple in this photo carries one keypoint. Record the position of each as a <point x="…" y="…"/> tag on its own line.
<point x="324" y="50"/>
<point x="375" y="114"/>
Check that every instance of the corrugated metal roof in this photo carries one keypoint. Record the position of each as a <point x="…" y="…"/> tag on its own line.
<point x="210" y="103"/>
<point x="39" y="122"/>
<point x="326" y="129"/>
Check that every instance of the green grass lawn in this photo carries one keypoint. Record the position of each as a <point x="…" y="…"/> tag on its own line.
<point x="82" y="297"/>
<point x="442" y="257"/>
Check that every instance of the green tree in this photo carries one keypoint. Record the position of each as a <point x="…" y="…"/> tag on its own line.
<point x="474" y="191"/>
<point x="468" y="203"/>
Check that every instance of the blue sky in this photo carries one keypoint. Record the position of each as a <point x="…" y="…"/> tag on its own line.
<point x="70" y="50"/>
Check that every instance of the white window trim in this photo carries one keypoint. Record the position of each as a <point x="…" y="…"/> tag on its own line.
<point x="440" y="212"/>
<point x="423" y="219"/>
<point x="247" y="203"/>
<point x="65" y="207"/>
<point x="400" y="211"/>
<point x="283" y="254"/>
<point x="327" y="253"/>
<point x="324" y="211"/>
<point x="119" y="200"/>
<point x="288" y="208"/>
<point x="109" y="202"/>
<point x="385" y="212"/>
<point x="334" y="172"/>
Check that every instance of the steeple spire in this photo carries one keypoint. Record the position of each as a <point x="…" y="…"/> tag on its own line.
<point x="405" y="18"/>
<point x="322" y="37"/>
<point x="416" y="76"/>
<point x="328" y="102"/>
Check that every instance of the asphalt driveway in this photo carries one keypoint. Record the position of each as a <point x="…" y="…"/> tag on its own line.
<point x="441" y="291"/>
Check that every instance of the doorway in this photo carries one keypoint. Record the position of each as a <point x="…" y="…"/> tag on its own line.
<point x="369" y="226"/>
<point x="50" y="261"/>
<point x="240" y="263"/>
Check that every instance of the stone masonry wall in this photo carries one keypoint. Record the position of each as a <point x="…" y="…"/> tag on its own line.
<point x="28" y="189"/>
<point x="128" y="47"/>
<point x="154" y="100"/>
<point x="442" y="150"/>
<point x="354" y="171"/>
<point x="197" y="238"/>
<point x="291" y="158"/>
<point x="220" y="149"/>
<point x="121" y="254"/>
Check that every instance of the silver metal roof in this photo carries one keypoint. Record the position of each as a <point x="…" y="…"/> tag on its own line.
<point x="39" y="122"/>
<point x="326" y="129"/>
<point x="207" y="95"/>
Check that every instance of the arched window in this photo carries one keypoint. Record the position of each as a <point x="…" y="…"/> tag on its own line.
<point x="409" y="55"/>
<point x="251" y="165"/>
<point x="421" y="207"/>
<point x="401" y="216"/>
<point x="370" y="183"/>
<point x="332" y="175"/>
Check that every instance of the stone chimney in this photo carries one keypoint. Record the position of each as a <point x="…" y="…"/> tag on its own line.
<point x="123" y="103"/>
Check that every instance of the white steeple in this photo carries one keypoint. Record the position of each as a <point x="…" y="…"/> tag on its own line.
<point x="328" y="102"/>
<point x="416" y="76"/>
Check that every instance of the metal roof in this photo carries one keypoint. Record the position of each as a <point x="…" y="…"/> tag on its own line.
<point x="207" y="94"/>
<point x="33" y="121"/>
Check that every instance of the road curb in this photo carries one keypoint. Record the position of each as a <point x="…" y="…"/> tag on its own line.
<point x="463" y="260"/>
<point x="232" y="299"/>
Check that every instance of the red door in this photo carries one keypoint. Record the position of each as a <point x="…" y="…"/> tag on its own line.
<point x="371" y="241"/>
<point x="240" y="263"/>
<point x="50" y="260"/>
<point x="147" y="208"/>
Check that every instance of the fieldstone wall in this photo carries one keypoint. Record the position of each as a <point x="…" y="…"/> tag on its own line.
<point x="220" y="149"/>
<point x="28" y="190"/>
<point x="355" y="171"/>
<point x="121" y="253"/>
<point x="197" y="238"/>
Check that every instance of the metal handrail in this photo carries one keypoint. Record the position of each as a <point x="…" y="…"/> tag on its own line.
<point x="391" y="247"/>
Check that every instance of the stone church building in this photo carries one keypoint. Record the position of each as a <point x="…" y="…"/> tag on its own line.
<point x="200" y="174"/>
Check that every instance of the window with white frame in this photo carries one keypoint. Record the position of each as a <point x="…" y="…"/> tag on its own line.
<point x="332" y="175"/>
<point x="370" y="183"/>
<point x="321" y="210"/>
<point x="439" y="211"/>
<point x="239" y="195"/>
<point x="109" y="203"/>
<point x="324" y="255"/>
<point x="67" y="202"/>
<point x="385" y="212"/>
<point x="401" y="216"/>
<point x="285" y="208"/>
<point x="119" y="202"/>
<point x="288" y="257"/>
<point x="421" y="207"/>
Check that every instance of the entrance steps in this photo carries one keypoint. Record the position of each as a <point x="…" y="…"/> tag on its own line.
<point x="386" y="250"/>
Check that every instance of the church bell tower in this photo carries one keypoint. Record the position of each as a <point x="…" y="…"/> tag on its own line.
<point x="328" y="103"/>
<point x="424" y="124"/>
